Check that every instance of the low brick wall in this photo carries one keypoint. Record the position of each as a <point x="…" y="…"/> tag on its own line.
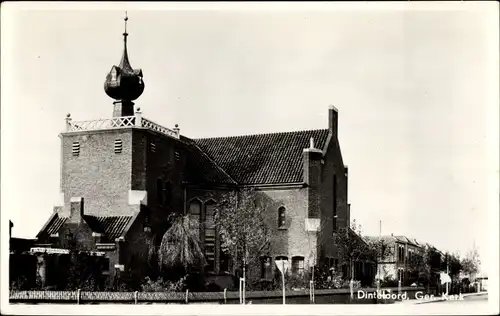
<point x="334" y="296"/>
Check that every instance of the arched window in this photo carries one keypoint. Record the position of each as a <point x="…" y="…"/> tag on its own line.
<point x="282" y="217"/>
<point x="297" y="265"/>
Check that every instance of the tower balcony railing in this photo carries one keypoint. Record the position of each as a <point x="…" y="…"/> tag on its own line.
<point x="133" y="121"/>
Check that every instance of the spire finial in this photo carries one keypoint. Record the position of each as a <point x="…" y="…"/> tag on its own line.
<point x="125" y="19"/>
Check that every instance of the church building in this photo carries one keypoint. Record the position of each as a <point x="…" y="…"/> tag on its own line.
<point x="123" y="175"/>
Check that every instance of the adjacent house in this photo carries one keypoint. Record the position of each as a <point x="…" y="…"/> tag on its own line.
<point x="401" y="253"/>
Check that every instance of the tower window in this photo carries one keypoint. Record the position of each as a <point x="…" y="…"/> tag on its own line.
<point x="177" y="155"/>
<point x="76" y="148"/>
<point x="282" y="217"/>
<point x="152" y="146"/>
<point x="163" y="192"/>
<point x="118" y="146"/>
<point x="159" y="191"/>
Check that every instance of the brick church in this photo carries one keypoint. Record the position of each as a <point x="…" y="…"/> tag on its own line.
<point x="122" y="176"/>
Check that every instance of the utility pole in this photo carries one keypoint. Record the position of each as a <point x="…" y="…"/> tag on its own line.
<point x="379" y="255"/>
<point x="448" y="274"/>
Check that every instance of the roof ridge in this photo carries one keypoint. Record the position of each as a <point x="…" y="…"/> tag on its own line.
<point x="94" y="216"/>
<point x="261" y="134"/>
<point x="214" y="162"/>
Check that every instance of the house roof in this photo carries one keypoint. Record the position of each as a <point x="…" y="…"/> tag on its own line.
<point x="263" y="158"/>
<point x="391" y="239"/>
<point x="110" y="227"/>
<point x="53" y="225"/>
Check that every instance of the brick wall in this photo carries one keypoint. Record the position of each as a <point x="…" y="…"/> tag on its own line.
<point x="161" y="164"/>
<point x="333" y="165"/>
<point x="98" y="174"/>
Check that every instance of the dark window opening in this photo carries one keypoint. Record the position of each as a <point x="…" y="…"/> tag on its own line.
<point x="282" y="217"/>
<point x="163" y="191"/>
<point x="159" y="191"/>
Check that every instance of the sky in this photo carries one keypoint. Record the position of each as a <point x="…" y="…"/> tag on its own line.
<point x="416" y="86"/>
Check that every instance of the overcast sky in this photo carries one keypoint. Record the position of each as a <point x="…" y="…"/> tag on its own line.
<point x="416" y="89"/>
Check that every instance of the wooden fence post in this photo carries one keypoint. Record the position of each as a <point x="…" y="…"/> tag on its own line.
<point x="225" y="296"/>
<point x="135" y="297"/>
<point x="78" y="296"/>
<point x="187" y="293"/>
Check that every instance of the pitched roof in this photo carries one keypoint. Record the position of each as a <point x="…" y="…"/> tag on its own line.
<point x="53" y="225"/>
<point x="200" y="168"/>
<point x="111" y="227"/>
<point x="264" y="158"/>
<point x="391" y="239"/>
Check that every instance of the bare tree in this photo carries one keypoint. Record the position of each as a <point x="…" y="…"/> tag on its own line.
<point x="471" y="263"/>
<point x="352" y="248"/>
<point x="241" y="222"/>
<point x="381" y="250"/>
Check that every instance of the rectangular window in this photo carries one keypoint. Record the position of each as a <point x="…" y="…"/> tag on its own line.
<point x="210" y="236"/>
<point x="209" y="215"/>
<point x="266" y="268"/>
<point x="297" y="265"/>
<point x="210" y="251"/>
<point x="194" y="211"/>
<point x="334" y="224"/>
<point x="76" y="148"/>
<point x="118" y="146"/>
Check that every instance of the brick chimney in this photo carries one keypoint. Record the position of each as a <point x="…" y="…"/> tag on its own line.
<point x="333" y="120"/>
<point x="76" y="210"/>
<point x="312" y="177"/>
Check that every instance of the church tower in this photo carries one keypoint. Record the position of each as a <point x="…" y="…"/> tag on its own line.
<point x="121" y="176"/>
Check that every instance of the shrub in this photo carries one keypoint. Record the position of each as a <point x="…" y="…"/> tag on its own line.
<point x="161" y="285"/>
<point x="327" y="280"/>
<point x="346" y="284"/>
<point x="389" y="282"/>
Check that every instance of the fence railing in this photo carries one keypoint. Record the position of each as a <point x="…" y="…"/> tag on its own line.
<point x="119" y="122"/>
<point x="82" y="297"/>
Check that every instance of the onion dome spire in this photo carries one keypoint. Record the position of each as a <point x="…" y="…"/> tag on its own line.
<point x="123" y="83"/>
